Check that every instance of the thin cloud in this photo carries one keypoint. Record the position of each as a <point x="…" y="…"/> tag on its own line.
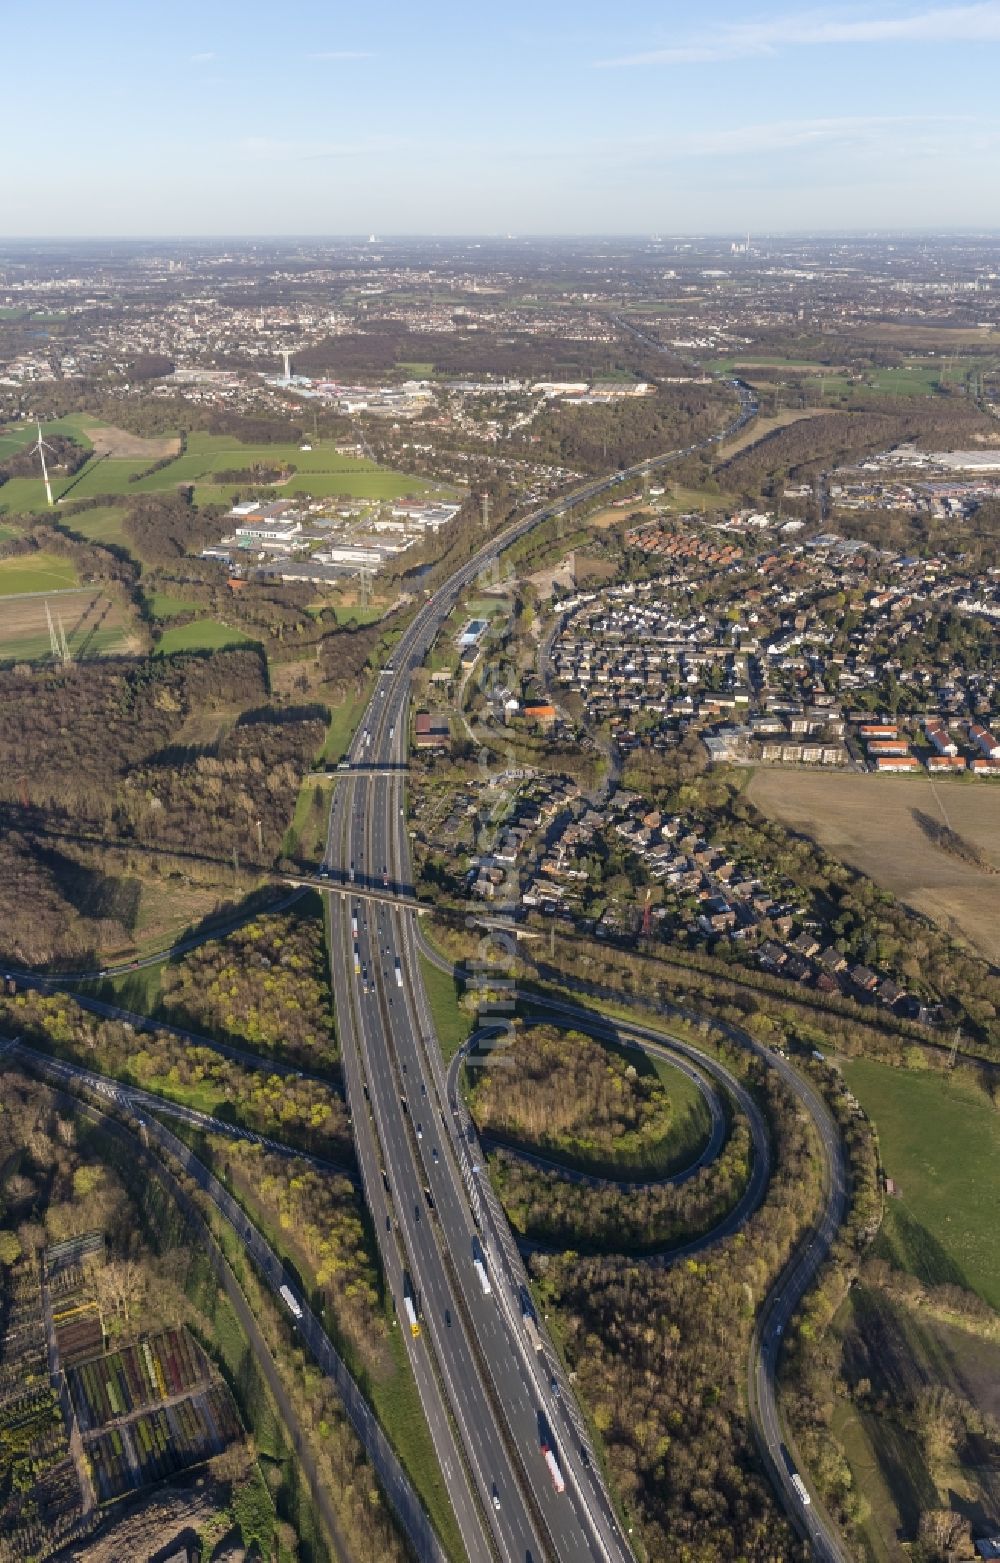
<point x="783" y="135"/>
<point x="204" y="59"/>
<point x="274" y="149"/>
<point x="739" y="40"/>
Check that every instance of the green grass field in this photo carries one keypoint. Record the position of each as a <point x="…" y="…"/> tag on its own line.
<point x="103" y="524"/>
<point x="939" y="1141"/>
<point x="307" y="839"/>
<point x="201" y="635"/>
<point x="39" y="572"/>
<point x="321" y="472"/>
<point x="164" y="606"/>
<point x="359" y="614"/>
<point x="17" y="436"/>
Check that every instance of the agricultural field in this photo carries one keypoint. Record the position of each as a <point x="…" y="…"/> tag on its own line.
<point x="160" y="1368"/>
<point x="95" y="625"/>
<point x="76" y="1319"/>
<point x="321" y="471"/>
<point x="938" y="1141"/>
<point x="119" y="443"/>
<point x="853" y="817"/>
<point x="38" y="572"/>
<point x="40" y="1499"/>
<point x="160" y="1443"/>
<point x="166" y="1413"/>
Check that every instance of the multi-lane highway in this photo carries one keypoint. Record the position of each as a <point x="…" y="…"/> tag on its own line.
<point x="495" y="1399"/>
<point x="800" y="1271"/>
<point x="133" y="1105"/>
<point x="490" y="1397"/>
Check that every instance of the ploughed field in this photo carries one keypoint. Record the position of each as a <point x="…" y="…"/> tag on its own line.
<point x="868" y="822"/>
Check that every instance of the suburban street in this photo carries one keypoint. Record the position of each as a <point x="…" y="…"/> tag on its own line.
<point x="489" y="1402"/>
<point x="494" y="1404"/>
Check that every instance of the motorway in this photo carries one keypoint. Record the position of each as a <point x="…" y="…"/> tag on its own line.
<point x="813" y="1248"/>
<point x="489" y="1397"/>
<point x="128" y="1103"/>
<point x="487" y="1393"/>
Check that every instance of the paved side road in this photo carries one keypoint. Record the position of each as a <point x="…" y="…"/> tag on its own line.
<point x="799" y="1273"/>
<point x="391" y="1475"/>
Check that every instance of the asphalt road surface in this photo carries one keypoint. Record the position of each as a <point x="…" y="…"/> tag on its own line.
<point x="486" y="1391"/>
<point x="137" y="1108"/>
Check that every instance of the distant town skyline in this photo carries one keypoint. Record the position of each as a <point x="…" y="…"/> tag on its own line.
<point x="557" y="119"/>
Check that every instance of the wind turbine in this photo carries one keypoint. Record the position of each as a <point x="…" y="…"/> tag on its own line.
<point x="41" y="448"/>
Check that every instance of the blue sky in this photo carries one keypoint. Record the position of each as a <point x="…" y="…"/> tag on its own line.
<point x="556" y="116"/>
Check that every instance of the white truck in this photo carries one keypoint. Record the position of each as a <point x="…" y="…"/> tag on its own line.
<point x="479" y="1264"/>
<point x="800" y="1489"/>
<point x="399" y="973"/>
<point x="290" y="1300"/>
<point x="410" y="1307"/>
<point x="556" y="1474"/>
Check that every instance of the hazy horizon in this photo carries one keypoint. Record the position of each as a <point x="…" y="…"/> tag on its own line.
<point x="553" y="121"/>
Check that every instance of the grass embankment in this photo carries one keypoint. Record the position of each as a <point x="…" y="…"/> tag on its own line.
<point x="228" y="1345"/>
<point x="905" y="1364"/>
<point x="939" y="1141"/>
<point x="451" y="1022"/>
<point x="343" y="721"/>
<point x="305" y="839"/>
<point x="137" y="990"/>
<point x="393" y="1392"/>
